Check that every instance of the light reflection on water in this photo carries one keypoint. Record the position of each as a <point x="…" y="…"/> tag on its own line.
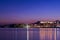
<point x="58" y="33"/>
<point x="44" y="34"/>
<point x="13" y="34"/>
<point x="34" y="34"/>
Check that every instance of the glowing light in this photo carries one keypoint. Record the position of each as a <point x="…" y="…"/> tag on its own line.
<point x="43" y="22"/>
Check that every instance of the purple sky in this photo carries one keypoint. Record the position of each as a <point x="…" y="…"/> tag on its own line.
<point x="27" y="11"/>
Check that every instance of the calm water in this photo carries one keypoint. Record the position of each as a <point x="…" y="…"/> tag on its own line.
<point x="34" y="34"/>
<point x="44" y="34"/>
<point x="13" y="34"/>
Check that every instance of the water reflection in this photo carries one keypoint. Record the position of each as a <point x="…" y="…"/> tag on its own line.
<point x="42" y="33"/>
<point x="58" y="34"/>
<point x="13" y="34"/>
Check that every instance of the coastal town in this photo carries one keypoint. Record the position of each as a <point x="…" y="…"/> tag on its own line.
<point x="37" y="24"/>
<point x="46" y="24"/>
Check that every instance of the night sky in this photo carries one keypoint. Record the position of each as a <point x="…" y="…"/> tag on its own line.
<point x="27" y="11"/>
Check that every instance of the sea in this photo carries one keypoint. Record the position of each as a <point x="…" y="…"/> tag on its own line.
<point x="34" y="33"/>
